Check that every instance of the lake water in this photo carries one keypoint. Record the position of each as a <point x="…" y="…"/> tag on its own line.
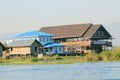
<point x="80" y="71"/>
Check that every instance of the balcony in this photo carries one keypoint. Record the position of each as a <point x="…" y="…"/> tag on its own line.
<point x="77" y="43"/>
<point x="102" y="43"/>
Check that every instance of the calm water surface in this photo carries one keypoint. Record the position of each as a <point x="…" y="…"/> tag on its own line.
<point x="80" y="71"/>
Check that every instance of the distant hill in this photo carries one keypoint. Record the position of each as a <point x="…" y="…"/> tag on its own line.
<point x="4" y="36"/>
<point x="114" y="30"/>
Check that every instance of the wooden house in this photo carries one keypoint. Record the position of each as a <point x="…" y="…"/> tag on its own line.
<point x="42" y="37"/>
<point x="45" y="39"/>
<point x="2" y="48"/>
<point x="79" y="38"/>
<point x="24" y="47"/>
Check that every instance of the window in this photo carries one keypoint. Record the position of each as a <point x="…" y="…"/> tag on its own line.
<point x="50" y="39"/>
<point x="40" y="39"/>
<point x="60" y="49"/>
<point x="56" y="50"/>
<point x="36" y="49"/>
<point x="45" y="50"/>
<point x="47" y="39"/>
<point x="98" y="33"/>
<point x="102" y="33"/>
<point x="11" y="49"/>
<point x="43" y="39"/>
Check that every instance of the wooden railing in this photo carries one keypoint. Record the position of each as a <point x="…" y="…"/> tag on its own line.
<point x="80" y="43"/>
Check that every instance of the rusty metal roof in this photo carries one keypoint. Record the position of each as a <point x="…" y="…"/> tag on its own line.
<point x="76" y="30"/>
<point x="65" y="31"/>
<point x="91" y="31"/>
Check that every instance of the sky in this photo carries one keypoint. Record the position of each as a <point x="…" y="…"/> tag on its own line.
<point x="26" y="15"/>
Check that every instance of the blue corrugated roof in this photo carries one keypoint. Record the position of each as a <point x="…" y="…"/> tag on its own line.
<point x="32" y="34"/>
<point x="54" y="44"/>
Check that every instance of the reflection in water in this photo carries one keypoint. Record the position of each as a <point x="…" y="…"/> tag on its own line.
<point x="80" y="71"/>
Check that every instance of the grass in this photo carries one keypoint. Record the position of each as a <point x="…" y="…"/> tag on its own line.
<point x="113" y="55"/>
<point x="105" y="56"/>
<point x="45" y="60"/>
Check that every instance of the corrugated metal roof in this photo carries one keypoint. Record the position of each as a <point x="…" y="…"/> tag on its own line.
<point x="78" y="30"/>
<point x="21" y="43"/>
<point x="55" y="44"/>
<point x="64" y="31"/>
<point x="32" y="34"/>
<point x="91" y="31"/>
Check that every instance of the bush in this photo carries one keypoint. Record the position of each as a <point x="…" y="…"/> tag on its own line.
<point x="105" y="56"/>
<point x="35" y="60"/>
<point x="111" y="55"/>
<point x="91" y="57"/>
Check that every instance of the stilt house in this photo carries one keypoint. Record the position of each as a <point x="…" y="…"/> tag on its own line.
<point x="25" y="48"/>
<point x="45" y="39"/>
<point x="79" y="38"/>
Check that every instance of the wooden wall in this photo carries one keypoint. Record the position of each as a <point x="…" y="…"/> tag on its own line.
<point x="35" y="48"/>
<point x="1" y="49"/>
<point x="77" y="46"/>
<point x="20" y="50"/>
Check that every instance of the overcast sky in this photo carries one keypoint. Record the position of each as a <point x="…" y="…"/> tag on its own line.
<point x="26" y="15"/>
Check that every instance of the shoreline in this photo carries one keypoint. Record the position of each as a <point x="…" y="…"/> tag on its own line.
<point x="105" y="56"/>
<point x="36" y="61"/>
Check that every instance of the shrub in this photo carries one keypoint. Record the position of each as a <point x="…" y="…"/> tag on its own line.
<point x="34" y="59"/>
<point x="91" y="57"/>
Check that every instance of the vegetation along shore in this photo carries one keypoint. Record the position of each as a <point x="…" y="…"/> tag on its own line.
<point x="105" y="56"/>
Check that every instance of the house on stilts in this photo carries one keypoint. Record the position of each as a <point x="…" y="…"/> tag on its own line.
<point x="34" y="42"/>
<point x="79" y="38"/>
<point x="24" y="48"/>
